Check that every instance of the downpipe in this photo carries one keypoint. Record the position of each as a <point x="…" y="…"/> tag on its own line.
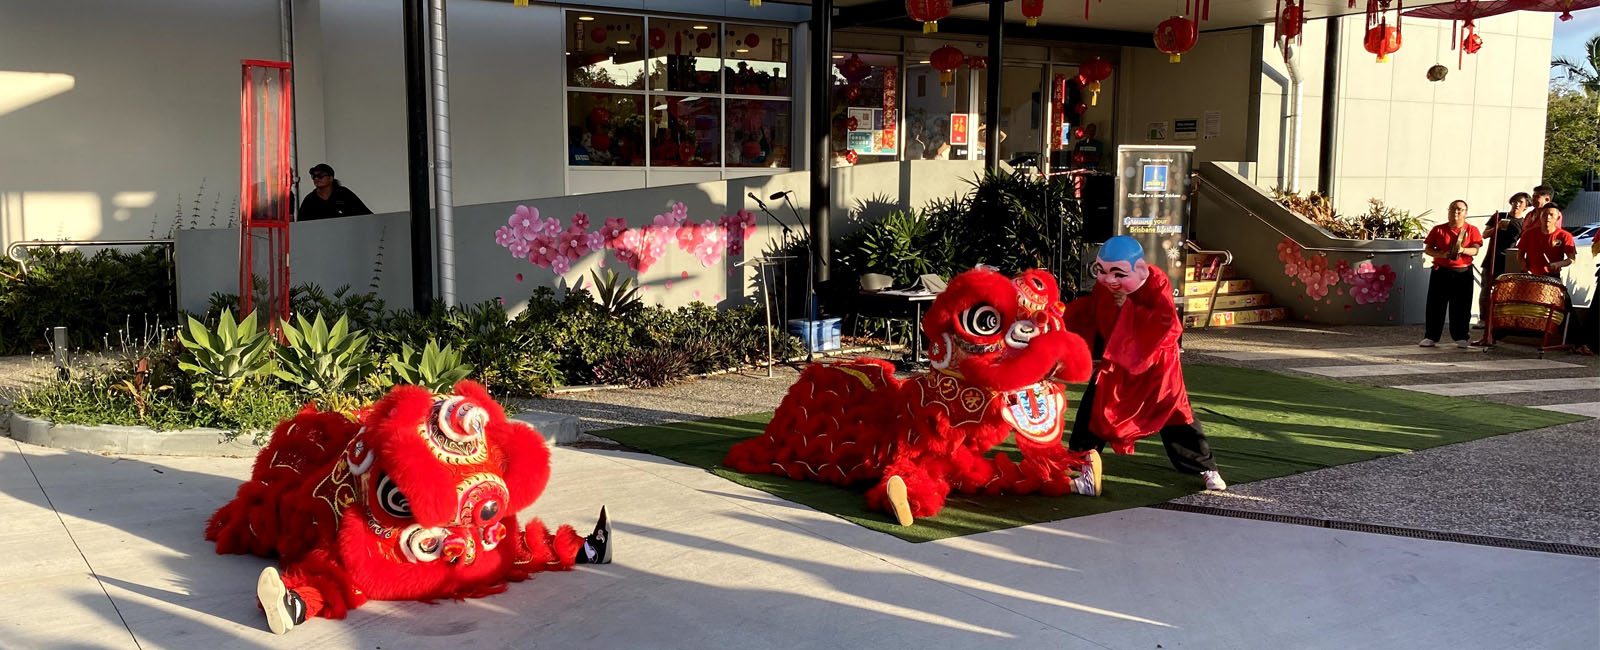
<point x="1297" y="92"/>
<point x="441" y="153"/>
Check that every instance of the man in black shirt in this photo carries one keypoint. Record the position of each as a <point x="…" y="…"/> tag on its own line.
<point x="1504" y="229"/>
<point x="331" y="199"/>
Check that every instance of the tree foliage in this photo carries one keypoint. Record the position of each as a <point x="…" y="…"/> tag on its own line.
<point x="1571" y="142"/>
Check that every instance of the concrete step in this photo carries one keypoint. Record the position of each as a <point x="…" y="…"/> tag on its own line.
<point x="1193" y="273"/>
<point x="1230" y="301"/>
<point x="1228" y="286"/>
<point x="556" y="428"/>
<point x="1237" y="317"/>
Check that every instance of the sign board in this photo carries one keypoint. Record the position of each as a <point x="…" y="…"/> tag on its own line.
<point x="1185" y="129"/>
<point x="958" y="128"/>
<point x="1152" y="188"/>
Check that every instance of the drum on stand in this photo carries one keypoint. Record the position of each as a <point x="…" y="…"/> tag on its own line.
<point x="1532" y="304"/>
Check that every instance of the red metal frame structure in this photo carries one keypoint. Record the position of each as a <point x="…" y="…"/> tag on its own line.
<point x="266" y="195"/>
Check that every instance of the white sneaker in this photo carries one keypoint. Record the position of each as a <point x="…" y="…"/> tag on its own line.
<point x="1427" y="343"/>
<point x="1464" y="344"/>
<point x="1214" y="480"/>
<point x="1090" y="476"/>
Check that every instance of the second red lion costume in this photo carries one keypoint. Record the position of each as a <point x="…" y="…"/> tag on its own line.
<point x="998" y="368"/>
<point x="417" y="500"/>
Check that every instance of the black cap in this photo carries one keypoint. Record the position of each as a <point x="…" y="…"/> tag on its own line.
<point x="322" y="168"/>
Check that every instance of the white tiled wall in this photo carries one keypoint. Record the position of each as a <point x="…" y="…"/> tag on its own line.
<point x="1478" y="135"/>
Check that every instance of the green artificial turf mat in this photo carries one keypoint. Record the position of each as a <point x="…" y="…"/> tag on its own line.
<point x="1260" y="424"/>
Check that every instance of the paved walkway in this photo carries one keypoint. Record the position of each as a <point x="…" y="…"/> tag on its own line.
<point x="107" y="552"/>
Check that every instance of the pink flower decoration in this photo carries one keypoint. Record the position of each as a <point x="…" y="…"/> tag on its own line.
<point x="594" y="241"/>
<point x="684" y="275"/>
<point x="542" y="251"/>
<point x="572" y="244"/>
<point x="504" y="235"/>
<point x="519" y="277"/>
<point x="580" y="221"/>
<point x="613" y="230"/>
<point x="560" y="265"/>
<point x="519" y="248"/>
<point x="679" y="212"/>
<point x="524" y="219"/>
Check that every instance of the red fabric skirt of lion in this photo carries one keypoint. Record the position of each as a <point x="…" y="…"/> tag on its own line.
<point x="414" y="499"/>
<point x="1000" y="358"/>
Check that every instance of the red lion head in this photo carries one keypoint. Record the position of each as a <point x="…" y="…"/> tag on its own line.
<point x="977" y="328"/>
<point x="443" y="477"/>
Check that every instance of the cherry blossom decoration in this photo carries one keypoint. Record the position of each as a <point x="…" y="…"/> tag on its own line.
<point x="544" y="243"/>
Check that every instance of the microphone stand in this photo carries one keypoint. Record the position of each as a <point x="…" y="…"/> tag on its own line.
<point x="811" y="276"/>
<point x="783" y="305"/>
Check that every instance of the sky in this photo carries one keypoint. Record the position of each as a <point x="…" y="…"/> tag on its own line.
<point x="1570" y="35"/>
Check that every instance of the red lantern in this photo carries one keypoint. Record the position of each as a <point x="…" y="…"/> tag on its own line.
<point x="598" y="34"/>
<point x="946" y="59"/>
<point x="851" y="157"/>
<point x="751" y="149"/>
<point x="1077" y="133"/>
<point x="751" y="40"/>
<point x="598" y="115"/>
<point x="703" y="41"/>
<point x="928" y="12"/>
<point x="658" y="38"/>
<point x="977" y="62"/>
<point x="1383" y="40"/>
<point x="1095" y="69"/>
<point x="600" y="142"/>
<point x="1079" y="108"/>
<point x="1472" y="44"/>
<point x="1291" y="22"/>
<point x="854" y="69"/>
<point x="1032" y="10"/>
<point x="1175" y="36"/>
<point x="851" y="124"/>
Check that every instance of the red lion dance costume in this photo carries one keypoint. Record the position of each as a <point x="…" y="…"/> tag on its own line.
<point x="417" y="500"/>
<point x="999" y="356"/>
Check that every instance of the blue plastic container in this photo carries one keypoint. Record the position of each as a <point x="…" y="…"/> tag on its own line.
<point x="819" y="335"/>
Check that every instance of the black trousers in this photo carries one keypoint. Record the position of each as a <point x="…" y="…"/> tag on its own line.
<point x="1185" y="443"/>
<point x="1449" y="289"/>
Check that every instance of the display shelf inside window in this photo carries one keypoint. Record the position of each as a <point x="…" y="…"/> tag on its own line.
<point x="759" y="133"/>
<point x="604" y="51"/>
<point x="757" y="60"/>
<point x="687" y="131"/>
<point x="685" y="55"/>
<point x="605" y="129"/>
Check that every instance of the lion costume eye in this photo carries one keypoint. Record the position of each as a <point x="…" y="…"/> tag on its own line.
<point x="982" y="320"/>
<point x="391" y="499"/>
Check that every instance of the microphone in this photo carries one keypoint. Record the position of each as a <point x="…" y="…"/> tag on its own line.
<point x="763" y="207"/>
<point x="757" y="199"/>
<point x="779" y="195"/>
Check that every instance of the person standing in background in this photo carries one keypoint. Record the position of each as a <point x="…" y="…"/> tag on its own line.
<point x="1503" y="230"/>
<point x="1451" y="245"/>
<point x="331" y="198"/>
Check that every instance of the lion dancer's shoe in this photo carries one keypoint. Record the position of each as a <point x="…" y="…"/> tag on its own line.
<point x="1089" y="480"/>
<point x="898" y="504"/>
<point x="597" y="546"/>
<point x="283" y="606"/>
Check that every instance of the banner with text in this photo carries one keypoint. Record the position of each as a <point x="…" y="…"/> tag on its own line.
<point x="1152" y="186"/>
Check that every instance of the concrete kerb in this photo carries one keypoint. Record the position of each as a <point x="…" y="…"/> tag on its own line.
<point x="144" y="441"/>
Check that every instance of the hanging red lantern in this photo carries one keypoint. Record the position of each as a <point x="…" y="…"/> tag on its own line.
<point x="851" y="157"/>
<point x="1077" y="133"/>
<point x="1472" y="44"/>
<point x="598" y="34"/>
<point x="928" y="12"/>
<point x="598" y="116"/>
<point x="1291" y="23"/>
<point x="946" y="59"/>
<point x="600" y="141"/>
<point x="1032" y="10"/>
<point x="851" y="124"/>
<point x="658" y="38"/>
<point x="1079" y="108"/>
<point x="1383" y="40"/>
<point x="703" y="41"/>
<point x="1175" y="36"/>
<point x="977" y="62"/>
<point x="751" y="40"/>
<point x="1095" y="69"/>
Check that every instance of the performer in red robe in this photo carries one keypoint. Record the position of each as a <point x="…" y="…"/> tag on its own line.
<point x="1137" y="388"/>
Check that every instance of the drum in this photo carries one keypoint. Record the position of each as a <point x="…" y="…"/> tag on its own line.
<point x="1530" y="303"/>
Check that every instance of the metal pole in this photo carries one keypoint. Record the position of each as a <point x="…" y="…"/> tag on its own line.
<point x="997" y="27"/>
<point x="821" y="128"/>
<point x="416" y="60"/>
<point x="441" y="157"/>
<point x="1330" y="108"/>
<point x="63" y="356"/>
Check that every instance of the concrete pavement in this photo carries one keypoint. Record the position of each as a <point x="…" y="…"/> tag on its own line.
<point x="108" y="552"/>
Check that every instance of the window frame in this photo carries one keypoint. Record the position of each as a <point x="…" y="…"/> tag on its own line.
<point x="723" y="97"/>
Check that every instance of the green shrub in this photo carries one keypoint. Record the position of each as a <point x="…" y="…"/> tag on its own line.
<point x="434" y="368"/>
<point x="92" y="296"/>
<point x="224" y="358"/>
<point x="320" y="361"/>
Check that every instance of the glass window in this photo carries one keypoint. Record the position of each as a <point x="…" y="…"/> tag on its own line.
<point x="604" y="50"/>
<point x="866" y="92"/>
<point x="757" y="60"/>
<point x="930" y="110"/>
<point x="685" y="55"/>
<point x="758" y="133"/>
<point x="1022" y="104"/>
<point x="605" y="129"/>
<point x="687" y="131"/>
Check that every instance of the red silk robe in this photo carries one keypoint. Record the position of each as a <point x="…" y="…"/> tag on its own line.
<point x="1139" y="385"/>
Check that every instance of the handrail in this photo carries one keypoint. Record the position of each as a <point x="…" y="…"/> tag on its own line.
<point x="1195" y="248"/>
<point x="1334" y="249"/>
<point x="13" y="251"/>
<point x="1216" y="282"/>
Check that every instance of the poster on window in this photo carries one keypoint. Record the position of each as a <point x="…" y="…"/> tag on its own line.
<point x="958" y="129"/>
<point x="889" y="122"/>
<point x="1152" y="183"/>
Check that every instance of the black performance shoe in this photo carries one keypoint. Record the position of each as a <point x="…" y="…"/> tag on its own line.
<point x="597" y="546"/>
<point x="283" y="607"/>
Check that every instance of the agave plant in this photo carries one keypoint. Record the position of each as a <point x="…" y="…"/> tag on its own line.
<point x="434" y="368"/>
<point x="225" y="357"/>
<point x="616" y="297"/>
<point x="320" y="360"/>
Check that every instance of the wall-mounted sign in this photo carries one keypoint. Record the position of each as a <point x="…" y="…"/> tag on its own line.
<point x="1186" y="129"/>
<point x="1156" y="131"/>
